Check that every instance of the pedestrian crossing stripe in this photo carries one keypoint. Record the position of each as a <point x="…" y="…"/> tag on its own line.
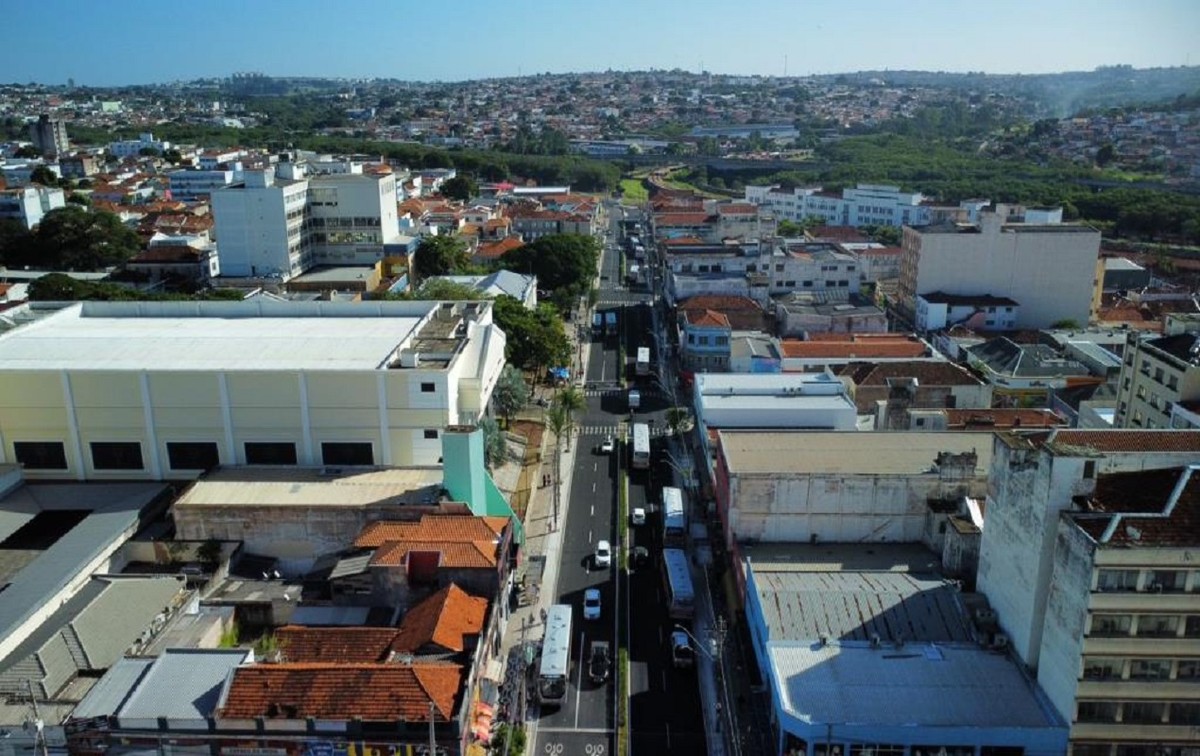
<point x="619" y="430"/>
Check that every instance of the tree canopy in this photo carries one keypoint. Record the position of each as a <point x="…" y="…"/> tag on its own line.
<point x="440" y="256"/>
<point x="536" y="338"/>
<point x="460" y="188"/>
<point x="441" y="289"/>
<point x="565" y="264"/>
<point x="511" y="392"/>
<point x="74" y="238"/>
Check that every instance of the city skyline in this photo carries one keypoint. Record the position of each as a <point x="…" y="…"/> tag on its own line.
<point x="151" y="43"/>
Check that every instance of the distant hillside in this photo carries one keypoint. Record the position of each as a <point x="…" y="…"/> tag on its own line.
<point x="1059" y="94"/>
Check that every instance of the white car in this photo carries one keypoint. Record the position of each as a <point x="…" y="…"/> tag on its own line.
<point x="591" y="604"/>
<point x="638" y="517"/>
<point x="607" y="445"/>
<point x="603" y="555"/>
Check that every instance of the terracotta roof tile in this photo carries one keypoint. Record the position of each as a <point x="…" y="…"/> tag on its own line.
<point x="370" y="692"/>
<point x="1128" y="441"/>
<point x="719" y="302"/>
<point x="1136" y="509"/>
<point x="682" y="219"/>
<point x="706" y="318"/>
<point x="445" y="619"/>
<point x="341" y="645"/>
<point x="842" y="349"/>
<point x="452" y="554"/>
<point x="499" y="248"/>
<point x="975" y="419"/>
<point x="927" y="372"/>
<point x="431" y="528"/>
<point x="837" y="233"/>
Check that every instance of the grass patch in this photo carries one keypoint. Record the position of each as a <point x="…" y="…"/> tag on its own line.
<point x="623" y="701"/>
<point x="634" y="191"/>
<point x="623" y="515"/>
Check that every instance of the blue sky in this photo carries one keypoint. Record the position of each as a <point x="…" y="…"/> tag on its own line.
<point x="139" y="41"/>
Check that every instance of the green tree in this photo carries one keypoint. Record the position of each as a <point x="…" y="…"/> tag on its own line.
<point x="173" y="156"/>
<point x="558" y="421"/>
<point x="561" y="262"/>
<point x="55" y="287"/>
<point x="27" y="151"/>
<point x="149" y="152"/>
<point x="441" y="289"/>
<point x="789" y="229"/>
<point x="44" y="176"/>
<point x="510" y="394"/>
<point x="15" y="240"/>
<point x="439" y="256"/>
<point x="536" y="338"/>
<point x="495" y="448"/>
<point x="74" y="238"/>
<point x="460" y="187"/>
<point x="1106" y="154"/>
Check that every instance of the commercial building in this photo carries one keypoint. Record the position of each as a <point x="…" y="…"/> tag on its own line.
<point x="156" y="390"/>
<point x="1048" y="267"/>
<point x="1157" y="375"/>
<point x="29" y="204"/>
<point x="864" y="205"/>
<point x="937" y="310"/>
<point x="1023" y="374"/>
<point x="133" y="147"/>
<point x="817" y="268"/>
<point x="187" y="184"/>
<point x="813" y="401"/>
<point x="279" y="226"/>
<point x="870" y="651"/>
<point x="801" y="315"/>
<point x="1087" y="560"/>
<point x="879" y="387"/>
<point x="49" y="135"/>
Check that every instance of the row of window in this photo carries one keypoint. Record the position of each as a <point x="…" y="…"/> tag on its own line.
<point x="1160" y="376"/>
<point x="191" y="455"/>
<point x="1117" y="668"/>
<point x="1148" y="581"/>
<point x="1139" y="712"/>
<point x="1144" y="626"/>
<point x="704" y="340"/>
<point x="808" y="284"/>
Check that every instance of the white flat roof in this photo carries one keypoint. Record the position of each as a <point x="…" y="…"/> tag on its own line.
<point x="249" y="335"/>
<point x="848" y="453"/>
<point x="310" y="487"/>
<point x="923" y="685"/>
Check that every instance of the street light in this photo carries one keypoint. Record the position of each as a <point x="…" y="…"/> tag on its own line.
<point x="715" y="654"/>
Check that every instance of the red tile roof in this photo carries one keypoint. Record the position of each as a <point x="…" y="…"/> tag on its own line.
<point x="720" y="303"/>
<point x="370" y="692"/>
<point x="973" y="419"/>
<point x="740" y="208"/>
<point x="682" y="219"/>
<point x="475" y="555"/>
<point x="880" y="251"/>
<point x="460" y="541"/>
<point x="890" y="348"/>
<point x="445" y="619"/>
<point x="497" y="249"/>
<point x="1137" y="509"/>
<point x="706" y="318"/>
<point x="927" y="372"/>
<point x="1127" y="441"/>
<point x="341" y="645"/>
<point x="837" y="233"/>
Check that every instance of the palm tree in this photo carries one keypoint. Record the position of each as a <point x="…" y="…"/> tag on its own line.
<point x="558" y="420"/>
<point x="569" y="400"/>
<point x="678" y="419"/>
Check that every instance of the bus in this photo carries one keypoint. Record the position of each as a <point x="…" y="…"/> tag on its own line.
<point x="674" y="519"/>
<point x="556" y="656"/>
<point x="677" y="581"/>
<point x="597" y="325"/>
<point x="641" y="446"/>
<point x="643" y="361"/>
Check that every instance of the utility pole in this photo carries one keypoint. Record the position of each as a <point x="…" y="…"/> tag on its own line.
<point x="432" y="734"/>
<point x="39" y="725"/>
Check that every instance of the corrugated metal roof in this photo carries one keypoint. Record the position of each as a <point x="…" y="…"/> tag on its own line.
<point x="106" y="696"/>
<point x="182" y="684"/>
<point x="806" y="453"/>
<point x="918" y="685"/>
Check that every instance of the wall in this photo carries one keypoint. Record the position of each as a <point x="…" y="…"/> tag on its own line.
<point x="1066" y="617"/>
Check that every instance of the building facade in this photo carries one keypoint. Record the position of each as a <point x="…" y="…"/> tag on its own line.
<point x="50" y="136"/>
<point x="161" y="390"/>
<point x="30" y="204"/>
<point x="1049" y="268"/>
<point x="1158" y="375"/>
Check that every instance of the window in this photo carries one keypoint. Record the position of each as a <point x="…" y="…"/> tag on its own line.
<point x="1089" y="469"/>
<point x="1188" y="670"/>
<point x="270" y="453"/>
<point x="1111" y="624"/>
<point x="1096" y="711"/>
<point x="1102" y="668"/>
<point x="1191" y="628"/>
<point x="1150" y="669"/>
<point x="1173" y="382"/>
<point x="116" y="455"/>
<point x="431" y="435"/>
<point x="347" y="453"/>
<point x="428" y="388"/>
<point x="1158" y="626"/>
<point x="1166" y="581"/>
<point x="1141" y="392"/>
<point x="1144" y="712"/>
<point x="1185" y="713"/>
<point x="808" y="284"/>
<point x="1158" y="374"/>
<point x="190" y="455"/>
<point x="41" y="455"/>
<point x="1117" y="580"/>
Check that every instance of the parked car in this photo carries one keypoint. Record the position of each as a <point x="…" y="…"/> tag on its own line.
<point x="639" y="556"/>
<point x="682" y="654"/>
<point x="607" y="445"/>
<point x="603" y="555"/>
<point x="599" y="662"/>
<point x="591" y="604"/>
<point x="638" y="516"/>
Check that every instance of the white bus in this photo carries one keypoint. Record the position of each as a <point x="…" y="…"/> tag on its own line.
<point x="674" y="519"/>
<point x="643" y="361"/>
<point x="556" y="656"/>
<point x="677" y="581"/>
<point x="641" y="446"/>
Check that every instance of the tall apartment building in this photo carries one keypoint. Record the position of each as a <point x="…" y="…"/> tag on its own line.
<point x="1088" y="560"/>
<point x="279" y="227"/>
<point x="190" y="184"/>
<point x="166" y="390"/>
<point x="1157" y="375"/>
<point x="50" y="136"/>
<point x="1047" y="267"/>
<point x="29" y="204"/>
<point x="864" y="205"/>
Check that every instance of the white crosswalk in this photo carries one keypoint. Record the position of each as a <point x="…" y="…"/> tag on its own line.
<point x="618" y="430"/>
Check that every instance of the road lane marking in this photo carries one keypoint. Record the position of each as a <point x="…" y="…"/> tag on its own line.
<point x="668" y="724"/>
<point x="589" y="536"/>
<point x="593" y="513"/>
<point x="579" y="685"/>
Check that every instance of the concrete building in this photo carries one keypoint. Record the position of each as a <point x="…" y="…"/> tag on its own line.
<point x="864" y="205"/>
<point x="1086" y="560"/>
<point x="938" y="310"/>
<point x="30" y="203"/>
<point x="871" y="651"/>
<point x="1157" y="375"/>
<point x="187" y="184"/>
<point x="49" y="135"/>
<point x="841" y="487"/>
<point x="155" y="390"/>
<point x="800" y="315"/>
<point x="1024" y="374"/>
<point x="880" y="387"/>
<point x="125" y="148"/>
<point x="830" y="351"/>
<point x="501" y="283"/>
<point x="81" y="165"/>
<point x="704" y="341"/>
<point x="1049" y="268"/>
<point x="821" y="269"/>
<point x="813" y="401"/>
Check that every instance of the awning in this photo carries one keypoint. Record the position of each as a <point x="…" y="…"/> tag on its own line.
<point x="481" y="726"/>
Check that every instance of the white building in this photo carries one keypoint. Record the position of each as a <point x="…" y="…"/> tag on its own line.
<point x="269" y="227"/>
<point x="796" y="401"/>
<point x="188" y="184"/>
<point x="1050" y="268"/>
<point x="864" y="205"/>
<point x="937" y="310"/>
<point x="1087" y="559"/>
<point x="158" y="390"/>
<point x="133" y="147"/>
<point x="28" y="204"/>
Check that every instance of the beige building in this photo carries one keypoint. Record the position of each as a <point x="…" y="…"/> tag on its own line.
<point x="159" y="390"/>
<point x="1088" y="561"/>
<point x="1048" y="268"/>
<point x="1156" y="375"/>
